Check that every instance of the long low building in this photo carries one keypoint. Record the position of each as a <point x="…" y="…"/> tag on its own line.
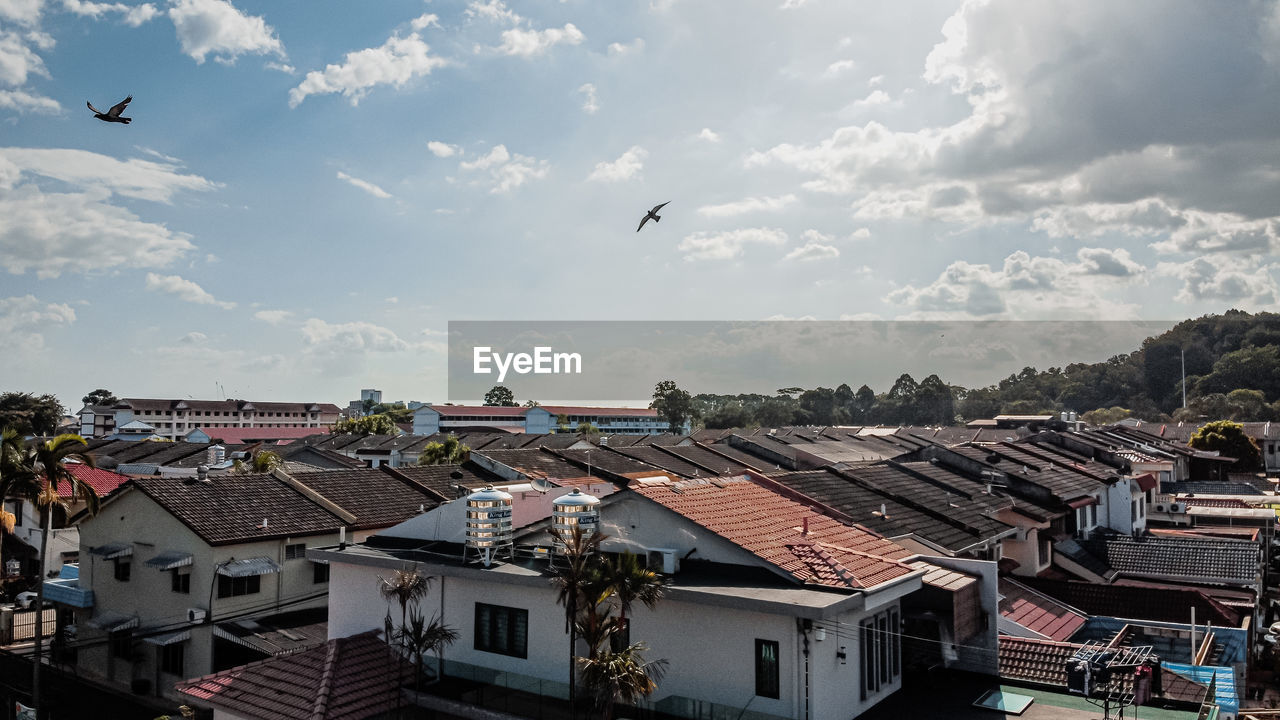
<point x="431" y="419"/>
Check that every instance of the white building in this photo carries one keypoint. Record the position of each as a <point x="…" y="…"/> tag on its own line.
<point x="773" y="605"/>
<point x="431" y="419"/>
<point x="173" y="419"/>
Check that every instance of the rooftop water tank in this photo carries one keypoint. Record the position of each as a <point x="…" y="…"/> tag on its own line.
<point x="488" y="525"/>
<point x="575" y="510"/>
<point x="216" y="454"/>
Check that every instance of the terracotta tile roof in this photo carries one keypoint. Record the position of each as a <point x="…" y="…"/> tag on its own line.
<point x="102" y="481"/>
<point x="1037" y="612"/>
<point x="767" y="523"/>
<point x="349" y="678"/>
<point x="1164" y="604"/>
<point x="1044" y="662"/>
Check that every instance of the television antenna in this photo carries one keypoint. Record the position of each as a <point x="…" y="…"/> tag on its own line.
<point x="1112" y="677"/>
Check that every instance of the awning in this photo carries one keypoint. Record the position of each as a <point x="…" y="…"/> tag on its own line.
<point x="114" y="622"/>
<point x="111" y="551"/>
<point x="248" y="567"/>
<point x="1146" y="481"/>
<point x="169" y="560"/>
<point x="1083" y="502"/>
<point x="169" y="638"/>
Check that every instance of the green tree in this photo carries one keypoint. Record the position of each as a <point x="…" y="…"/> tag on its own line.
<point x="532" y="403"/>
<point x="673" y="404"/>
<point x="1105" y="416"/>
<point x="632" y="581"/>
<point x="421" y="637"/>
<point x="30" y="414"/>
<point x="101" y="396"/>
<point x="587" y="428"/>
<point x="397" y="411"/>
<point x="621" y="677"/>
<point x="406" y="588"/>
<point x="571" y="576"/>
<point x="500" y="396"/>
<point x="1229" y="440"/>
<point x="17" y="480"/>
<point x="264" y="461"/>
<point x="367" y="425"/>
<point x="48" y="461"/>
<point x="449" y="452"/>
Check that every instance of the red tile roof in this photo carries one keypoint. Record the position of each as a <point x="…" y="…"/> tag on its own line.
<point x="240" y="435"/>
<point x="469" y="410"/>
<point x="102" y="481"/>
<point x="602" y="411"/>
<point x="1037" y="612"/>
<point x="810" y="546"/>
<point x="350" y="678"/>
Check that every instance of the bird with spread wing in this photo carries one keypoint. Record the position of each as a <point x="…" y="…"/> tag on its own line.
<point x="652" y="215"/>
<point x="112" y="115"/>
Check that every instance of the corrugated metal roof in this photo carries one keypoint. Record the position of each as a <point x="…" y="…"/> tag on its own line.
<point x="111" y="551"/>
<point x="249" y="566"/>
<point x="169" y="560"/>
<point x="169" y="638"/>
<point x="114" y="622"/>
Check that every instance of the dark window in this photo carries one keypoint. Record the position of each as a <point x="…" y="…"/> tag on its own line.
<point x="17" y="513"/>
<point x="171" y="657"/>
<point x="122" y="644"/>
<point x="881" y="659"/>
<point x="123" y="567"/>
<point x="181" y="582"/>
<point x="502" y="630"/>
<point x="320" y="573"/>
<point x="767" y="684"/>
<point x="232" y="587"/>
<point x="295" y="552"/>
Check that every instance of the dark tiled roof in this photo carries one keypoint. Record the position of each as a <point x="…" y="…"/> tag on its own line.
<point x="318" y="457"/>
<point x="1062" y="478"/>
<point x="348" y="678"/>
<point x="1218" y="561"/>
<point x="230" y="508"/>
<point x="771" y="526"/>
<point x="1166" y="604"/>
<point x="376" y="498"/>
<point x="1037" y="612"/>
<point x="661" y="458"/>
<point x="533" y="463"/>
<point x="710" y="461"/>
<point x="438" y="478"/>
<point x="605" y="460"/>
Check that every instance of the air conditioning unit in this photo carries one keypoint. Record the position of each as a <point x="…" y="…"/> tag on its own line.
<point x="1159" y="508"/>
<point x="1176" y="507"/>
<point x="196" y="615"/>
<point x="664" y="560"/>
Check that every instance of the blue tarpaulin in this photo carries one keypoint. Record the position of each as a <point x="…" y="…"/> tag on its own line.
<point x="1225" y="690"/>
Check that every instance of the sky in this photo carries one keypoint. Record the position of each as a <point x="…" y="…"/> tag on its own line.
<point x="310" y="191"/>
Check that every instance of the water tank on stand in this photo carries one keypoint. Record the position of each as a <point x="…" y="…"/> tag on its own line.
<point x="216" y="454"/>
<point x="575" y="510"/>
<point x="488" y="526"/>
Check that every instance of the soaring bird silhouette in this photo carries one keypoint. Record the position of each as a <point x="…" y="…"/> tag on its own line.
<point x="653" y="215"/>
<point x="112" y="115"/>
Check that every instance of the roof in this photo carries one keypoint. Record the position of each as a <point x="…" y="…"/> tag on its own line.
<point x="351" y="678"/>
<point x="1216" y="561"/>
<point x="475" y="410"/>
<point x="1166" y="604"/>
<point x="1039" y="613"/>
<point x="1209" y="488"/>
<point x="225" y="405"/>
<point x="102" y="481"/>
<point x="811" y="547"/>
<point x="601" y="411"/>
<point x="439" y="478"/>
<point x="255" y="434"/>
<point x="1044" y="662"/>
<point x="278" y="634"/>
<point x="377" y="499"/>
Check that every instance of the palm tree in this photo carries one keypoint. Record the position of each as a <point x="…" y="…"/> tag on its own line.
<point x="449" y="452"/>
<point x="406" y="587"/>
<point x="17" y="480"/>
<point x="421" y="637"/>
<point x="571" y="577"/>
<point x="266" y="461"/>
<point x="48" y="461"/>
<point x="631" y="580"/>
<point x="621" y="677"/>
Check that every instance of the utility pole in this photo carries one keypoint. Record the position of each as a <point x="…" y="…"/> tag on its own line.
<point x="1184" y="378"/>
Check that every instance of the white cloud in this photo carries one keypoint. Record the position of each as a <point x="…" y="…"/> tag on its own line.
<point x="728" y="244"/>
<point x="444" y="150"/>
<point x="18" y="62"/>
<point x="364" y="185"/>
<point x="590" y="103"/>
<point x="135" y="178"/>
<point x="194" y="337"/>
<point x="860" y="234"/>
<point x="709" y="135"/>
<point x="528" y="43"/>
<point x="273" y="317"/>
<point x="350" y="337"/>
<point x="620" y="49"/>
<point x="22" y="12"/>
<point x="839" y="67"/>
<point x="506" y="171"/>
<point x="627" y="166"/>
<point x="494" y="10"/>
<point x="813" y="251"/>
<point x="422" y="22"/>
<point x="217" y="28"/>
<point x="53" y="233"/>
<point x="185" y="290"/>
<point x="749" y="205"/>
<point x="395" y="62"/>
<point x="133" y="15"/>
<point x="24" y="319"/>
<point x="875" y="81"/>
<point x="877" y="97"/>
<point x="1221" y="279"/>
<point x="25" y="102"/>
<point x="1107" y="261"/>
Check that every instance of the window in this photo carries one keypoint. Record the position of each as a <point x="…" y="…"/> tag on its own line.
<point x="295" y="552"/>
<point x="122" y="569"/>
<point x="880" y="652"/>
<point x="320" y="573"/>
<point x="502" y="630"/>
<point x="171" y="657"/>
<point x="233" y="587"/>
<point x="17" y="512"/>
<point x="181" y="581"/>
<point x="767" y="684"/>
<point x="1045" y="550"/>
<point x="122" y="644"/>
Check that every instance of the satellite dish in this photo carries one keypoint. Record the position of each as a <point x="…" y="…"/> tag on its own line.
<point x="540" y="484"/>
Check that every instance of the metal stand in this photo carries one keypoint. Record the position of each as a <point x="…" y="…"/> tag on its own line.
<point x="1112" y="666"/>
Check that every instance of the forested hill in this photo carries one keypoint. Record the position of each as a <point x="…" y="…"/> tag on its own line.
<point x="1232" y="365"/>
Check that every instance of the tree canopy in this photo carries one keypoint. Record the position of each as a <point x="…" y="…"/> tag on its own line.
<point x="500" y="396"/>
<point x="30" y="414"/>
<point x="1228" y="439"/>
<point x="367" y="425"/>
<point x="101" y="396"/>
<point x="673" y="404"/>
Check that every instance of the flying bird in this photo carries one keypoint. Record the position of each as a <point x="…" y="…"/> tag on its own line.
<point x="652" y="215"/>
<point x="112" y="115"/>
